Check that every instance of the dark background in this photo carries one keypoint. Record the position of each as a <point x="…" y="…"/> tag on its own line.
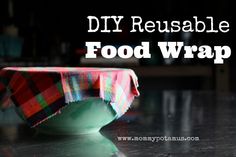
<point x="46" y="26"/>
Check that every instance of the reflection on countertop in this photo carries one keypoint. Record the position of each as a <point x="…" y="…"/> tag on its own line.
<point x="203" y="115"/>
<point x="86" y="145"/>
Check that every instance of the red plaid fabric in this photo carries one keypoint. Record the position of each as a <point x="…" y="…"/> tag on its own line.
<point x="41" y="92"/>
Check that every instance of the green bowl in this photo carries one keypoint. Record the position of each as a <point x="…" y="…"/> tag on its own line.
<point x="83" y="117"/>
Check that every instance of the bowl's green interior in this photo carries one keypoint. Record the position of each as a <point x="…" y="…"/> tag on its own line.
<point x="81" y="117"/>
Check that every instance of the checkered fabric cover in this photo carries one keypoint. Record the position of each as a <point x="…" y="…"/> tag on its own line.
<point x="41" y="92"/>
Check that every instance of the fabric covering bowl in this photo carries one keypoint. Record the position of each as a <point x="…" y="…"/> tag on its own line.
<point x="58" y="100"/>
